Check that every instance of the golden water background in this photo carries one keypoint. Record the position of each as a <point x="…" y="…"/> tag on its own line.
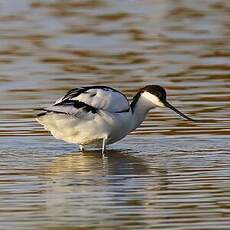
<point x="169" y="173"/>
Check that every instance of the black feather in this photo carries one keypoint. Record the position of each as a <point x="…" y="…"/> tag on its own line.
<point x="77" y="91"/>
<point x="78" y="104"/>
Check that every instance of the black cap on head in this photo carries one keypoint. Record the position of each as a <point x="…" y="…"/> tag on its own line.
<point x="157" y="91"/>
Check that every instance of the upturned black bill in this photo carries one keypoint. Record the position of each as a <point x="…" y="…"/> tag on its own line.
<point x="177" y="111"/>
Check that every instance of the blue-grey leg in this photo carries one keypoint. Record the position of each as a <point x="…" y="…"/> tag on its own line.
<point x="103" y="146"/>
<point x="81" y="147"/>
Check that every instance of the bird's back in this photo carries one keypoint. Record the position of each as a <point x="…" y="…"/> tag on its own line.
<point x="85" y="113"/>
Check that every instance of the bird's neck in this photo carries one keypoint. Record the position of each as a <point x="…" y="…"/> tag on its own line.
<point x="140" y="107"/>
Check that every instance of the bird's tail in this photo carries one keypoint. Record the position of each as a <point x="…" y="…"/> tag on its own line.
<point x="40" y="112"/>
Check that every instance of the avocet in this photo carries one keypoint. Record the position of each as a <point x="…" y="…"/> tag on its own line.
<point x="100" y="115"/>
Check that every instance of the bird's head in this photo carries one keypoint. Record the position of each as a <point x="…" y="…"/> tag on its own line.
<point x="156" y="95"/>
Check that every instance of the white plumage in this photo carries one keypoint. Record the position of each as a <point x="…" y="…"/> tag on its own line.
<point x="99" y="115"/>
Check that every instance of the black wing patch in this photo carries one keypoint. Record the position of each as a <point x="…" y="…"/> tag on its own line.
<point x="78" y="105"/>
<point x="77" y="91"/>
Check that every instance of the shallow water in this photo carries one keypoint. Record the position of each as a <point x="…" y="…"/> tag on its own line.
<point x="169" y="173"/>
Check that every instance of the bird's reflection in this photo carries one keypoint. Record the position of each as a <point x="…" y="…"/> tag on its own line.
<point x="92" y="163"/>
<point x="87" y="183"/>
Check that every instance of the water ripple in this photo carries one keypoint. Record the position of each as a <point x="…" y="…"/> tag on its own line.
<point x="169" y="173"/>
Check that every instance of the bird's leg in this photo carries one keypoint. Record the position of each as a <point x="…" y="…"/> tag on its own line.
<point x="81" y="147"/>
<point x="103" y="147"/>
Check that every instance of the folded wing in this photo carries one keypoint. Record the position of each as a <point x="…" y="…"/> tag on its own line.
<point x="85" y="102"/>
<point x="98" y="97"/>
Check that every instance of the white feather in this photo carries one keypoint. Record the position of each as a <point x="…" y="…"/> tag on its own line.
<point x="77" y="125"/>
<point x="153" y="99"/>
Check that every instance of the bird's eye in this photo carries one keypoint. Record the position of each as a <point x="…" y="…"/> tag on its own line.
<point x="160" y="95"/>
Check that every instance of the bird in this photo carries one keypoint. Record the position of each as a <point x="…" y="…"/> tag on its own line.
<point x="100" y="115"/>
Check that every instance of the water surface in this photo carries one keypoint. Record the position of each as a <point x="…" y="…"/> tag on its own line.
<point x="169" y="173"/>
